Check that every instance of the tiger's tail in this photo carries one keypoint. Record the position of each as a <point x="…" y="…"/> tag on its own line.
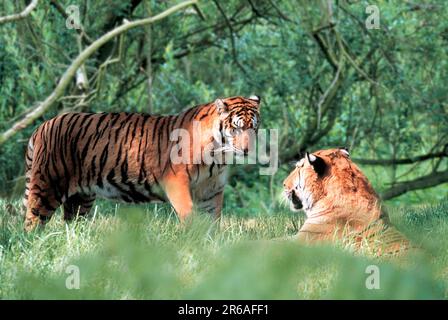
<point x="28" y="166"/>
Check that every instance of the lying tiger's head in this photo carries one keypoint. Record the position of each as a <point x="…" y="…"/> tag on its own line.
<point x="327" y="175"/>
<point x="239" y="119"/>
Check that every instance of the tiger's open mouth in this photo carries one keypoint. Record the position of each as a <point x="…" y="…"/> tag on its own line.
<point x="295" y="202"/>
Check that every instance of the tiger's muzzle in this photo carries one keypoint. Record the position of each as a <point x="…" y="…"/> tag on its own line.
<point x="294" y="200"/>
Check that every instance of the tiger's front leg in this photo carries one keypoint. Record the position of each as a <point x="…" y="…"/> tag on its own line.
<point x="213" y="203"/>
<point x="177" y="189"/>
<point x="219" y="199"/>
<point x="78" y="205"/>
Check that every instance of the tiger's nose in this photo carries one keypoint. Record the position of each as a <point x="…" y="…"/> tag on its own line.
<point x="246" y="150"/>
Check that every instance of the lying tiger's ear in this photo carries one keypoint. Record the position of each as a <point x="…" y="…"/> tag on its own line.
<point x="345" y="151"/>
<point x="220" y="106"/>
<point x="318" y="163"/>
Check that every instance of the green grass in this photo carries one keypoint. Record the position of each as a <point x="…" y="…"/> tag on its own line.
<point x="142" y="252"/>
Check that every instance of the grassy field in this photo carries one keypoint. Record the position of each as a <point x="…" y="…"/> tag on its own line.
<point x="142" y="252"/>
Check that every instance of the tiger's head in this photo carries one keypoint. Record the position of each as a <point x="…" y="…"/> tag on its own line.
<point x="238" y="123"/>
<point x="327" y="178"/>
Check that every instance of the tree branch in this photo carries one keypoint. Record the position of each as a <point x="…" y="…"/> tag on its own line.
<point x="21" y="15"/>
<point x="411" y="160"/>
<point x="330" y="57"/>
<point x="112" y="20"/>
<point x="430" y="180"/>
<point x="231" y="36"/>
<point x="80" y="60"/>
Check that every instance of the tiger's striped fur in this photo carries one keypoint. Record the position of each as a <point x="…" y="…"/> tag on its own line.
<point x="340" y="203"/>
<point x="75" y="157"/>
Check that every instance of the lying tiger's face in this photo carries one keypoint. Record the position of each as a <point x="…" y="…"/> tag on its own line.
<point x="318" y="175"/>
<point x="239" y="119"/>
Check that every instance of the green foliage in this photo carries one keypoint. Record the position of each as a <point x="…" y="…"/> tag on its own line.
<point x="273" y="53"/>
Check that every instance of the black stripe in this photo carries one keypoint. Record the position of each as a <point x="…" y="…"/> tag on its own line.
<point x="141" y="137"/>
<point x="134" y="131"/>
<point x="125" y="194"/>
<point x="107" y="125"/>
<point x="188" y="172"/>
<point x="128" y="130"/>
<point x="169" y="123"/>
<point x="211" y="169"/>
<point x="159" y="142"/>
<point x="197" y="172"/>
<point x="209" y="208"/>
<point x="206" y="114"/>
<point x="196" y="113"/>
<point x="103" y="160"/>
<point x="87" y="126"/>
<point x="155" y="179"/>
<point x="133" y="193"/>
<point x="74" y="147"/>
<point x="92" y="169"/>
<point x="83" y="159"/>
<point x="154" y="130"/>
<point x="211" y="197"/>
<point x="46" y="204"/>
<point x="145" y="149"/>
<point x="152" y="194"/>
<point x="187" y="115"/>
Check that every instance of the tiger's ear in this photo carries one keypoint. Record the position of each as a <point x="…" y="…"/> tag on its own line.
<point x="345" y="151"/>
<point x="256" y="99"/>
<point x="220" y="106"/>
<point x="318" y="163"/>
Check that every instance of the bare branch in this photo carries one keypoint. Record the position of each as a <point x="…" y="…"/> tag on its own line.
<point x="328" y="54"/>
<point x="231" y="36"/>
<point x="431" y="180"/>
<point x="78" y="62"/>
<point x="18" y="16"/>
<point x="411" y="160"/>
<point x="330" y="93"/>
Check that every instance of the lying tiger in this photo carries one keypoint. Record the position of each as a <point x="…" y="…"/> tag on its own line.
<point x="75" y="157"/>
<point x="340" y="203"/>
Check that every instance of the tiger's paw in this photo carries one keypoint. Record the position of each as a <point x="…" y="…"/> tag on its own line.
<point x="31" y="223"/>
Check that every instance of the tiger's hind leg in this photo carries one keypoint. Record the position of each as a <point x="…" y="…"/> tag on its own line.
<point x="39" y="201"/>
<point x="40" y="208"/>
<point x="78" y="205"/>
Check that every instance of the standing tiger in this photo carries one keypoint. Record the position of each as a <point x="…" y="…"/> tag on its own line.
<point x="75" y="157"/>
<point x="339" y="202"/>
